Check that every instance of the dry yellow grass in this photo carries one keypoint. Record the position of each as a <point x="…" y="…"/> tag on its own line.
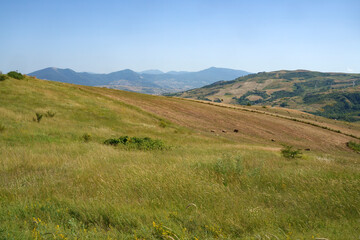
<point x="53" y="184"/>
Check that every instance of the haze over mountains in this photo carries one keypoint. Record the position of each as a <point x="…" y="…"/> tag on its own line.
<point x="149" y="81"/>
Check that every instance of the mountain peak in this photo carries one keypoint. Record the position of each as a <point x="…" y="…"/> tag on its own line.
<point x="148" y="81"/>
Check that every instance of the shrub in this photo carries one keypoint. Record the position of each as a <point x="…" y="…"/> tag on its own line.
<point x="15" y="75"/>
<point x="354" y="146"/>
<point x="50" y="114"/>
<point x="112" y="141"/>
<point x="86" y="137"/>
<point x="38" y="117"/>
<point x="289" y="152"/>
<point x="2" y="77"/>
<point x="137" y="143"/>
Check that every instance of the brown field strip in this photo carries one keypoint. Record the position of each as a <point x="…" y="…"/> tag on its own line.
<point x="223" y="120"/>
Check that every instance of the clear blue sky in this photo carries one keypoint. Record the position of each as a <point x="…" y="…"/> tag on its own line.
<point x="105" y="36"/>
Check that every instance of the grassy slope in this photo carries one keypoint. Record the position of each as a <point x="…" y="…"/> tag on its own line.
<point x="208" y="185"/>
<point x="302" y="90"/>
<point x="253" y="127"/>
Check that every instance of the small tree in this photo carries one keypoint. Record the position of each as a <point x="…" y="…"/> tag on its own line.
<point x="288" y="152"/>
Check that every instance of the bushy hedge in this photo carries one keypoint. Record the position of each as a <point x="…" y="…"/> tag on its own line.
<point x="15" y="75"/>
<point x="137" y="143"/>
<point x="2" y="77"/>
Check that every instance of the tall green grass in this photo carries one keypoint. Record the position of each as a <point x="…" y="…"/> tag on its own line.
<point x="54" y="185"/>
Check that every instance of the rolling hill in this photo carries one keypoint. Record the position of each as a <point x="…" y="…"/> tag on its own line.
<point x="332" y="95"/>
<point x="150" y="81"/>
<point x="59" y="180"/>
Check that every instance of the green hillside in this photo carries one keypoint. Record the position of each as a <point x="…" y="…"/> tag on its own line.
<point x="332" y="95"/>
<point x="58" y="180"/>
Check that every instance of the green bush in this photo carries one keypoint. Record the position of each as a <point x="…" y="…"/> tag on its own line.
<point x="354" y="146"/>
<point x="38" y="117"/>
<point x="15" y="75"/>
<point x="137" y="143"/>
<point x="2" y="77"/>
<point x="289" y="152"/>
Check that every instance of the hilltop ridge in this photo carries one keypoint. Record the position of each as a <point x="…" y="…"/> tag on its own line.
<point x="149" y="81"/>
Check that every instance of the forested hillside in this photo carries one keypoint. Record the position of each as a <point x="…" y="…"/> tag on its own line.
<point x="332" y="95"/>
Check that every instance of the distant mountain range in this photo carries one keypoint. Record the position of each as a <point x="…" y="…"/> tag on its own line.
<point x="149" y="81"/>
<point x="332" y="95"/>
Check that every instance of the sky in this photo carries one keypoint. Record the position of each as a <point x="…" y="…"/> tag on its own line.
<point x="189" y="35"/>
